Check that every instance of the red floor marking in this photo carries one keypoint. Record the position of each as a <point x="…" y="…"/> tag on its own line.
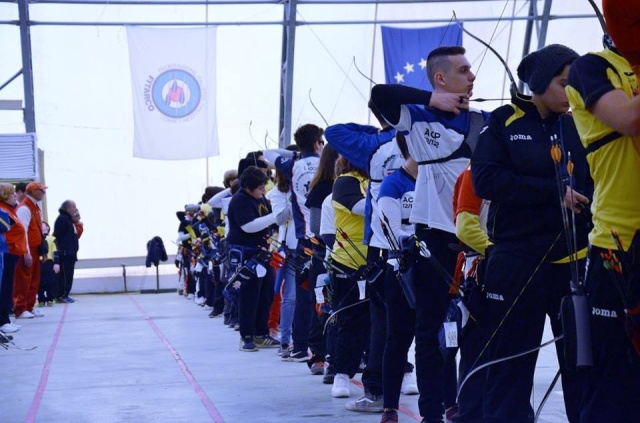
<point x="208" y="404"/>
<point x="401" y="408"/>
<point x="44" y="376"/>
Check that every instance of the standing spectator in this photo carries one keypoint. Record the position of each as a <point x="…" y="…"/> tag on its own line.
<point x="27" y="273"/>
<point x="66" y="230"/>
<point x="5" y="224"/>
<point x="21" y="191"/>
<point x="50" y="268"/>
<point x="17" y="247"/>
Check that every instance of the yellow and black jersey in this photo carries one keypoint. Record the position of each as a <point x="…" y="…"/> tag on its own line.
<point x="614" y="159"/>
<point x="348" y="190"/>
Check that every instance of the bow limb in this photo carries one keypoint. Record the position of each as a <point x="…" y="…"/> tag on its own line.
<point x="333" y="316"/>
<point x="607" y="41"/>
<point x="251" y="135"/>
<point x="599" y="15"/>
<point x="546" y="396"/>
<point x="361" y="73"/>
<point x="316" y="109"/>
<point x="513" y="90"/>
<point x="500" y="360"/>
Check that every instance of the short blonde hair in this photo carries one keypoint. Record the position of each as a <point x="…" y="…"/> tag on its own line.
<point x="6" y="190"/>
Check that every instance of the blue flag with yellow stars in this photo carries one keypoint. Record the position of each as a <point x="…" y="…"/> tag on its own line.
<point x="406" y="51"/>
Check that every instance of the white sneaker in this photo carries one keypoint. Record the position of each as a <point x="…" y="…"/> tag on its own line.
<point x="25" y="315"/>
<point x="190" y="297"/>
<point x="200" y="301"/>
<point x="409" y="385"/>
<point x="340" y="388"/>
<point x="207" y="307"/>
<point x="37" y="313"/>
<point x="9" y="328"/>
<point x="14" y="325"/>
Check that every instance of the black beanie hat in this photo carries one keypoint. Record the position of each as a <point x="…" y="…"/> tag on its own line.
<point x="245" y="163"/>
<point x="537" y="69"/>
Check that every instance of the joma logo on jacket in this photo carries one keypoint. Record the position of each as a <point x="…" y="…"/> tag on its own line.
<point x="520" y="137"/>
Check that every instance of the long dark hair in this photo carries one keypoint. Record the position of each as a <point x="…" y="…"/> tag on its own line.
<point x="282" y="183"/>
<point x="343" y="166"/>
<point x="326" y="166"/>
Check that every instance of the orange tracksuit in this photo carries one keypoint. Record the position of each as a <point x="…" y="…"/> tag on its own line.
<point x="26" y="280"/>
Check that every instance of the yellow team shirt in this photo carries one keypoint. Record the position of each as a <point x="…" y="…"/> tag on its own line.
<point x="50" y="240"/>
<point x="614" y="165"/>
<point x="352" y="224"/>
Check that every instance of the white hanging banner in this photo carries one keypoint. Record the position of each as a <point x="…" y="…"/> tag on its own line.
<point x="173" y="77"/>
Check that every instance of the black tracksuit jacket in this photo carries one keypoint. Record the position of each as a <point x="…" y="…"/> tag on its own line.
<point x="512" y="166"/>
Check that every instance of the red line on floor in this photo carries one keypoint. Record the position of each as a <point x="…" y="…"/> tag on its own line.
<point x="44" y="376"/>
<point x="208" y="404"/>
<point x="401" y="408"/>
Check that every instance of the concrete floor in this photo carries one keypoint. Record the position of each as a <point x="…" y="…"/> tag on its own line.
<point x="157" y="358"/>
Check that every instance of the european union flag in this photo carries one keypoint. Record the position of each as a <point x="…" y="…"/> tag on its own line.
<point x="406" y="51"/>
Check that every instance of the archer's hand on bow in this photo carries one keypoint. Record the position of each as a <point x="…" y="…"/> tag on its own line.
<point x="450" y="102"/>
<point x="574" y="200"/>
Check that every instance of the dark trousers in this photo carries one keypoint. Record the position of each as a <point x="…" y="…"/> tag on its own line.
<point x="372" y="375"/>
<point x="204" y="279"/>
<point x="192" y="282"/>
<point x="401" y="328"/>
<point x="301" y="315"/>
<point x="254" y="303"/>
<point x="352" y="324"/>
<point x="230" y="296"/>
<point x="509" y="383"/>
<point x="48" y="283"/>
<point x="611" y="387"/>
<point x="450" y="378"/>
<point x="65" y="278"/>
<point x="218" y="299"/>
<point x="330" y="341"/>
<point x="432" y="301"/>
<point x="6" y="287"/>
<point x="316" y="341"/>
<point x="470" y="398"/>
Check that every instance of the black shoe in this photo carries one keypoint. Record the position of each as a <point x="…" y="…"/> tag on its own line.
<point x="329" y="374"/>
<point x="298" y="357"/>
<point x="227" y="320"/>
<point x="215" y="313"/>
<point x="247" y="345"/>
